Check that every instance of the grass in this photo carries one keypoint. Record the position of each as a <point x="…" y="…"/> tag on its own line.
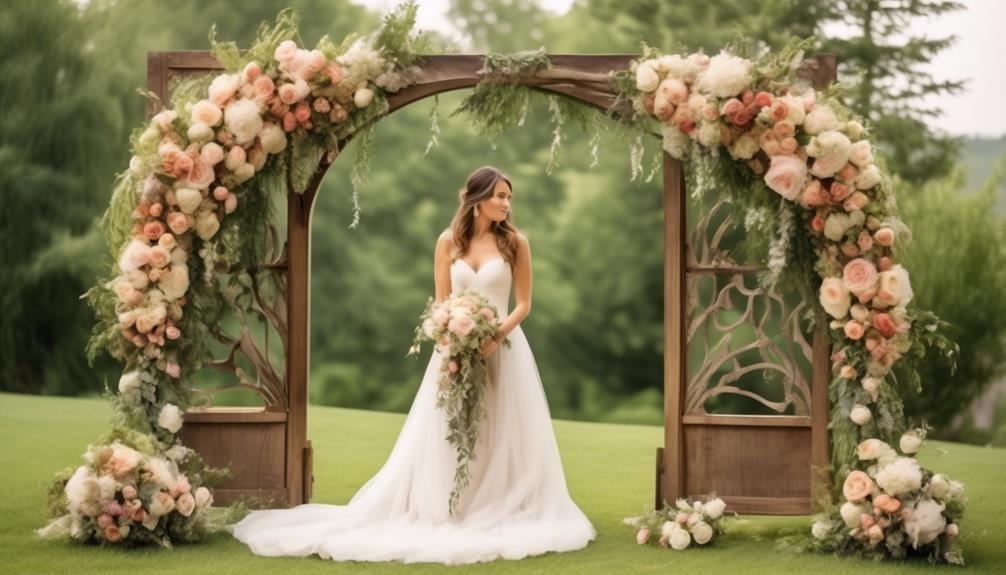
<point x="609" y="469"/>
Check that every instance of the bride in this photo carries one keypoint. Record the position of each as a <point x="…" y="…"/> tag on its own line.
<point x="516" y="503"/>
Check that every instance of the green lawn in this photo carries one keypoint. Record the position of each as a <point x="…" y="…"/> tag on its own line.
<point x="609" y="469"/>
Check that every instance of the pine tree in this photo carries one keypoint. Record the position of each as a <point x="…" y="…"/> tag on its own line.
<point x="884" y="64"/>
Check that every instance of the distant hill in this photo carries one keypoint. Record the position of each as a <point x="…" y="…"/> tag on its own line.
<point x="980" y="156"/>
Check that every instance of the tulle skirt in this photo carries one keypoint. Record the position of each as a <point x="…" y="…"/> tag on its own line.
<point x="517" y="503"/>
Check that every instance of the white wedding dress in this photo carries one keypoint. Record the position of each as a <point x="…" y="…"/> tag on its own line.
<point x="516" y="504"/>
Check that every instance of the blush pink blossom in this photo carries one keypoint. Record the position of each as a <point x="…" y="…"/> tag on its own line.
<point x="856" y="201"/>
<point x="461" y="326"/>
<point x="334" y="72"/>
<point x="302" y="112"/>
<point x="884" y="324"/>
<point x="264" y="87"/>
<point x="859" y="276"/>
<point x="839" y="191"/>
<point x="884" y="236"/>
<point x="854" y="329"/>
<point x="286" y="50"/>
<point x="288" y="94"/>
<point x="178" y="223"/>
<point x="452" y="366"/>
<point x="786" y="175"/>
<point x="153" y="230"/>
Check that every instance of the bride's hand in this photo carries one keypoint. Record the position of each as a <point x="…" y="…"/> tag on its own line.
<point x="489" y="347"/>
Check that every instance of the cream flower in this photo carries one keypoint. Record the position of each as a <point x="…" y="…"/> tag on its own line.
<point x="894" y="287"/>
<point x="900" y="477"/>
<point x="868" y="177"/>
<point x="834" y="297"/>
<point x="786" y="176"/>
<point x="925" y="523"/>
<point x="830" y="151"/>
<point x="860" y="414"/>
<point x="170" y="418"/>
<point x="242" y="119"/>
<point x="870" y="449"/>
<point x="725" y="76"/>
<point x="861" y="154"/>
<point x="910" y="441"/>
<point x="851" y="512"/>
<point x="702" y="532"/>
<point x="647" y="78"/>
<point x="714" y="508"/>
<point x="679" y="538"/>
<point x="821" y="119"/>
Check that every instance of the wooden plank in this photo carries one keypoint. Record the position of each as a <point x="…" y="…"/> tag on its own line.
<point x="299" y="208"/>
<point x="820" y="414"/>
<point x="675" y="340"/>
<point x="768" y="505"/>
<point x="155" y="81"/>
<point x="747" y="420"/>
<point x="234" y="415"/>
<point x="255" y="452"/>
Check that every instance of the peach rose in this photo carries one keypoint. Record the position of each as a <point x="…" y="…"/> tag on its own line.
<point x="859" y="276"/>
<point x="884" y="236"/>
<point x="223" y="88"/>
<point x="856" y="201"/>
<point x="178" y="223"/>
<point x="895" y="287"/>
<point x="206" y="112"/>
<point x="129" y="492"/>
<point x="864" y="241"/>
<point x="643" y="536"/>
<point x="112" y="533"/>
<point x="847" y="372"/>
<point x="334" y="72"/>
<point x="834" y="297"/>
<point x="452" y="366"/>
<point x="186" y="504"/>
<point x="264" y="87"/>
<point x="159" y="256"/>
<point x="848" y="173"/>
<point x="174" y="161"/>
<point x="854" y="329"/>
<point x="286" y="50"/>
<point x="839" y="191"/>
<point x="858" y="486"/>
<point x="288" y="94"/>
<point x="813" y="194"/>
<point x="173" y="369"/>
<point x="886" y="503"/>
<point x="153" y="230"/>
<point x="786" y="176"/>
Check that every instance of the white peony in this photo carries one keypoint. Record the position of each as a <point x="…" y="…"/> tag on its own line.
<point x="925" y="523"/>
<point x="939" y="486"/>
<point x="861" y="154"/>
<point x="242" y="118"/>
<point x="821" y="119"/>
<point x="170" y="418"/>
<point x="821" y="529"/>
<point x="860" y="414"/>
<point x="894" y="287"/>
<point x="709" y="135"/>
<point x="871" y="385"/>
<point x="134" y="256"/>
<point x="725" y="76"/>
<point x="162" y="472"/>
<point x="188" y="199"/>
<point x="744" y="147"/>
<point x="175" y="283"/>
<point x="910" y="441"/>
<point x="702" y="532"/>
<point x="870" y="449"/>
<point x="272" y="138"/>
<point x="647" y="78"/>
<point x="82" y="492"/>
<point x="834" y="297"/>
<point x="714" y="508"/>
<point x="851" y="513"/>
<point x="679" y="539"/>
<point x="129" y="386"/>
<point x="900" y="477"/>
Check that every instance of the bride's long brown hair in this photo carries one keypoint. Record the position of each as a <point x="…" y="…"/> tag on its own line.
<point x="479" y="186"/>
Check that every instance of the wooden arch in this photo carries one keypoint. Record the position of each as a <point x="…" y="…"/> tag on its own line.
<point x="758" y="464"/>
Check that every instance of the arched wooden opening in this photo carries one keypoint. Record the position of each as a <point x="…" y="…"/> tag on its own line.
<point x="740" y="457"/>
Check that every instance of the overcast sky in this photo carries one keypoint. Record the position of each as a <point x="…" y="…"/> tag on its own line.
<point x="976" y="57"/>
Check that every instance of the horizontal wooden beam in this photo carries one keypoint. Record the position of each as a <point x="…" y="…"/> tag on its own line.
<point x="234" y="415"/>
<point x="747" y="420"/>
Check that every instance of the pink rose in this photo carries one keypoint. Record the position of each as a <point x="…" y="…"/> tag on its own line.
<point x="681" y="518"/>
<point x="173" y="369"/>
<point x="884" y="236"/>
<point x="452" y="366"/>
<point x="886" y="503"/>
<point x="854" y="329"/>
<point x="316" y="62"/>
<point x="817" y="224"/>
<point x="112" y="533"/>
<point x="289" y="122"/>
<point x="220" y="193"/>
<point x="104" y="520"/>
<point x="779" y="111"/>
<point x="153" y="230"/>
<point x="182" y="485"/>
<point x="264" y="87"/>
<point x="206" y="112"/>
<point x="321" y="105"/>
<point x="201" y="175"/>
<point x="286" y="50"/>
<point x="487" y="313"/>
<point x="173" y="332"/>
<point x="334" y="72"/>
<point x="788" y="145"/>
<point x="674" y="90"/>
<point x="461" y="325"/>
<point x="848" y="173"/>
<point x="175" y="162"/>
<point x="864" y="241"/>
<point x="857" y="487"/>
<point x="302" y="112"/>
<point x="859" y="276"/>
<point x="178" y="223"/>
<point x="884" y="324"/>
<point x="839" y="191"/>
<point x="288" y="94"/>
<point x="338" y="114"/>
<point x="643" y="536"/>
<point x="813" y="195"/>
<point x="763" y="99"/>
<point x="223" y="88"/>
<point x="139" y="515"/>
<point x="786" y="175"/>
<point x="856" y="201"/>
<point x="112" y="508"/>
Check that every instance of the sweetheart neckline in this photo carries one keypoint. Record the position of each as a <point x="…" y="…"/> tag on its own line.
<point x="481" y="267"/>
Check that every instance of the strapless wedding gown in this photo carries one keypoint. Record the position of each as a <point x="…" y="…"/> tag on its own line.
<point x="516" y="504"/>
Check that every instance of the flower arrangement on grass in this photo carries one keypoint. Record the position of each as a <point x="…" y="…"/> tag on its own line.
<point x="678" y="526"/>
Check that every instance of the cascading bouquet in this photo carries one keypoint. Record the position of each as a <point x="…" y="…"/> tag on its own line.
<point x="459" y="326"/>
<point x="679" y="525"/>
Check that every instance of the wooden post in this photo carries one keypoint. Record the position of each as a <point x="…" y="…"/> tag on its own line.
<point x="675" y="346"/>
<point x="298" y="305"/>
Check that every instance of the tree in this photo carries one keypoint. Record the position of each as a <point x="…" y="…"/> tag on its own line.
<point x="884" y="64"/>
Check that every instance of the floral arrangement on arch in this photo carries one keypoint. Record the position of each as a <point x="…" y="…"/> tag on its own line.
<point x="687" y="521"/>
<point x="175" y="222"/>
<point x="807" y="150"/>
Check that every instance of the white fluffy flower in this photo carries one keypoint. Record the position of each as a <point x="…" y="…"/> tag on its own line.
<point x="647" y="78"/>
<point x="821" y="119"/>
<point x="861" y="154"/>
<point x="702" y="532"/>
<point x="679" y="539"/>
<point x="709" y="135"/>
<point x="925" y="523"/>
<point x="725" y="76"/>
<point x="207" y="225"/>
<point x="82" y="491"/>
<point x="129" y="386"/>
<point x="163" y="472"/>
<point x="177" y="452"/>
<point x="860" y="414"/>
<point x="894" y="287"/>
<point x="203" y="497"/>
<point x="900" y="477"/>
<point x="273" y="139"/>
<point x="870" y="449"/>
<point x="675" y="141"/>
<point x="939" y="486"/>
<point x="134" y="256"/>
<point x="910" y="441"/>
<point x="363" y="60"/>
<point x="175" y="283"/>
<point x="170" y="418"/>
<point x="868" y="177"/>
<point x="836" y="225"/>
<point x="744" y="147"/>
<point x="242" y="119"/>
<point x="188" y="199"/>
<point x="363" y="97"/>
<point x="820" y="529"/>
<point x="871" y="385"/>
<point x="714" y="508"/>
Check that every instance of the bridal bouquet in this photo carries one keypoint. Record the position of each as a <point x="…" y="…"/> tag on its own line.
<point x="680" y="525"/>
<point x="459" y="326"/>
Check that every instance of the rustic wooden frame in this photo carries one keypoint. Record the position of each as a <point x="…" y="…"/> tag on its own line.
<point x="584" y="78"/>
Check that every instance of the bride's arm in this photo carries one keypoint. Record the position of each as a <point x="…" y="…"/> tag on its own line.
<point x="442" y="267"/>
<point x="522" y="287"/>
